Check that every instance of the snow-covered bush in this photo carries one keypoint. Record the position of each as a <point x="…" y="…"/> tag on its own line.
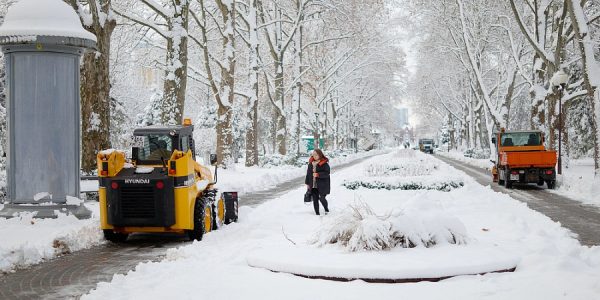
<point x="445" y="185"/>
<point x="359" y="228"/>
<point x="274" y="160"/>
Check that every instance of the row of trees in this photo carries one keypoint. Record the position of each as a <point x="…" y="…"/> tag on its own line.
<point x="252" y="73"/>
<point x="489" y="64"/>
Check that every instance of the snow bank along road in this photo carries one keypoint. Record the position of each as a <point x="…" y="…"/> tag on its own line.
<point x="75" y="274"/>
<point x="582" y="219"/>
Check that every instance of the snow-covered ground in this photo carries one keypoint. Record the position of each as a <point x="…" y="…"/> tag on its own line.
<point x="476" y="162"/>
<point x="551" y="264"/>
<point x="576" y="182"/>
<point x="26" y="241"/>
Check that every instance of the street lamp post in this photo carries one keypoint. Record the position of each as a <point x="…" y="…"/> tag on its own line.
<point x="317" y="137"/>
<point x="559" y="80"/>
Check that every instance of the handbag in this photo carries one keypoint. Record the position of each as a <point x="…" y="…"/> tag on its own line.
<point x="307" y="196"/>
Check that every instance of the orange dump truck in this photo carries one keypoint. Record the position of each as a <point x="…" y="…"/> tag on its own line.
<point x="522" y="158"/>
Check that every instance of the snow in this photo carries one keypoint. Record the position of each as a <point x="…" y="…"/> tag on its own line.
<point x="551" y="264"/>
<point x="397" y="264"/>
<point x="42" y="195"/>
<point x="144" y="170"/>
<point x="476" y="162"/>
<point x="73" y="200"/>
<point x="577" y="181"/>
<point x="107" y="152"/>
<point x="43" y="18"/>
<point x="27" y="241"/>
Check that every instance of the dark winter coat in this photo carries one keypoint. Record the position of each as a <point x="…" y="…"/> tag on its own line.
<point x="323" y="181"/>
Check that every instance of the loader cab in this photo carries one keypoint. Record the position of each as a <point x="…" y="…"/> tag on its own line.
<point x="154" y="144"/>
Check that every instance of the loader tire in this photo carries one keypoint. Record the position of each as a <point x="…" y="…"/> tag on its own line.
<point x="551" y="184"/>
<point x="199" y="230"/>
<point x="115" y="237"/>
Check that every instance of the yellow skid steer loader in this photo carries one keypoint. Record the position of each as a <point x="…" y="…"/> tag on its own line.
<point x="163" y="189"/>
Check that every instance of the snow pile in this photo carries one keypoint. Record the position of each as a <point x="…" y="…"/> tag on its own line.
<point x="29" y="18"/>
<point x="358" y="228"/>
<point x="577" y="181"/>
<point x="406" y="170"/>
<point x="483" y="163"/>
<point x="27" y="241"/>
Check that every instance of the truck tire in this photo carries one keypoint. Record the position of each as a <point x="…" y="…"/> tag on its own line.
<point x="551" y="184"/>
<point x="507" y="182"/>
<point x="115" y="237"/>
<point x="500" y="180"/>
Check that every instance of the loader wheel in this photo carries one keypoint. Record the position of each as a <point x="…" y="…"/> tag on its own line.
<point x="208" y="218"/>
<point x="115" y="237"/>
<point x="220" y="212"/>
<point x="199" y="229"/>
<point x="551" y="184"/>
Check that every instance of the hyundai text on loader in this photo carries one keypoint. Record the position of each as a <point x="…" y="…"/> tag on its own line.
<point x="163" y="189"/>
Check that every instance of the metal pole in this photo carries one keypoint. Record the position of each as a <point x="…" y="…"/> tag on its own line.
<point x="317" y="137"/>
<point x="560" y="130"/>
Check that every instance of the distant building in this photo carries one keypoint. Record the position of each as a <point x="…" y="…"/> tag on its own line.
<point x="403" y="117"/>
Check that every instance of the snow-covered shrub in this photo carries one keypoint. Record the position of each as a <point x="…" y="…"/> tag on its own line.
<point x="359" y="228"/>
<point x="445" y="185"/>
<point x="274" y="160"/>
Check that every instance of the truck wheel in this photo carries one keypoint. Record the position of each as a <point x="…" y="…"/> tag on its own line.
<point x="541" y="182"/>
<point x="507" y="182"/>
<point x="199" y="212"/>
<point x="500" y="180"/>
<point x="551" y="184"/>
<point x="115" y="237"/>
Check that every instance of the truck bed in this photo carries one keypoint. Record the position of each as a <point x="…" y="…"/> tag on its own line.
<point x="527" y="159"/>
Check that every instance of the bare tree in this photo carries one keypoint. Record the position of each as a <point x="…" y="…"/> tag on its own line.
<point x="96" y="17"/>
<point x="169" y="22"/>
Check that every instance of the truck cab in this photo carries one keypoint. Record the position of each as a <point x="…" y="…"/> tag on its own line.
<point x="522" y="158"/>
<point x="426" y="145"/>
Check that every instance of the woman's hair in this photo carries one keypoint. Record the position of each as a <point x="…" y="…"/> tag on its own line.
<point x="321" y="155"/>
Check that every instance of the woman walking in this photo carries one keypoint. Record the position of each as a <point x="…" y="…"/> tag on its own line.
<point x="317" y="179"/>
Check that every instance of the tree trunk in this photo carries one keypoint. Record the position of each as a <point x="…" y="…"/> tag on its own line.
<point x="224" y="135"/>
<point x="590" y="78"/>
<point x="175" y="83"/>
<point x="252" y="135"/>
<point x="281" y="128"/>
<point x="252" y="113"/>
<point x="95" y="89"/>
